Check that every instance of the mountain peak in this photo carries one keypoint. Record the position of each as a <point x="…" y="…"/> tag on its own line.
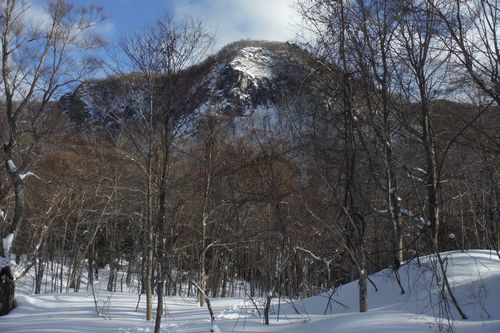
<point x="242" y="78"/>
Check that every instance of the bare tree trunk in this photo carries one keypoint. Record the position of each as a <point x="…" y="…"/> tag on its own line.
<point x="149" y="246"/>
<point x="113" y="272"/>
<point x="162" y="242"/>
<point x="353" y="178"/>
<point x="267" y="307"/>
<point x="208" y="161"/>
<point x="432" y="172"/>
<point x="7" y="287"/>
<point x="40" y="268"/>
<point x="148" y="278"/>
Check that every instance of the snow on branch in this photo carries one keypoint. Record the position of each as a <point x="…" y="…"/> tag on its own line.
<point x="424" y="223"/>
<point x="11" y="166"/>
<point x="411" y="175"/>
<point x="307" y="251"/>
<point x="420" y="170"/>
<point x="418" y="179"/>
<point x="7" y="245"/>
<point x="31" y="174"/>
<point x="327" y="260"/>
<point x="27" y="174"/>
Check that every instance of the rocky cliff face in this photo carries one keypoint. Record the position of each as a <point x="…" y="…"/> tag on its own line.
<point x="245" y="79"/>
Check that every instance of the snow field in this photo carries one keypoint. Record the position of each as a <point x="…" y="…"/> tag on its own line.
<point x="474" y="275"/>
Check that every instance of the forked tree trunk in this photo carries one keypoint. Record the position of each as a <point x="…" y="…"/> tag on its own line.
<point x="267" y="307"/>
<point x="40" y="268"/>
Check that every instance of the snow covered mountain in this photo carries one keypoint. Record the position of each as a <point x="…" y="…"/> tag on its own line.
<point x="243" y="79"/>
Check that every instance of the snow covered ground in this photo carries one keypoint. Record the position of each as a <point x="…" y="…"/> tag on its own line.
<point x="474" y="275"/>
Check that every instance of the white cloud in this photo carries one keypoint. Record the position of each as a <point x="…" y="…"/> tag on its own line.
<point x="37" y="17"/>
<point x="107" y="28"/>
<point x="242" y="19"/>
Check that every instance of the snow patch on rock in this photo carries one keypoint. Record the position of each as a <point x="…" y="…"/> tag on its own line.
<point x="255" y="62"/>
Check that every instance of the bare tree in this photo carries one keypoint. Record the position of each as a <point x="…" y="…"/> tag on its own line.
<point x="38" y="59"/>
<point x="332" y="27"/>
<point x="209" y="138"/>
<point x="426" y="62"/>
<point x="377" y="24"/>
<point x="472" y="38"/>
<point x="158" y="54"/>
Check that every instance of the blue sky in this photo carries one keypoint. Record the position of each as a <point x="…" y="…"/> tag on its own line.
<point x="230" y="19"/>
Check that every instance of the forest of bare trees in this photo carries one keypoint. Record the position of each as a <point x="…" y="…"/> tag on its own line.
<point x="387" y="149"/>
